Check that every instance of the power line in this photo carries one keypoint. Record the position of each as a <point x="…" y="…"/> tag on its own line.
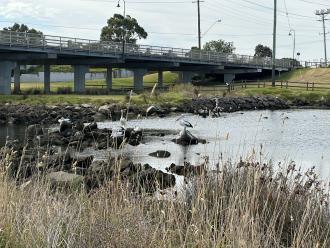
<point x="281" y="11"/>
<point x="287" y="14"/>
<point x="314" y="3"/>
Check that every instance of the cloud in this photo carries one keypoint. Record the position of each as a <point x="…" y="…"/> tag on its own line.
<point x="15" y="9"/>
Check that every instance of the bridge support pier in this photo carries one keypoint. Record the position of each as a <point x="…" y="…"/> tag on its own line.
<point x="6" y="68"/>
<point x="138" y="79"/>
<point x="228" y="78"/>
<point x="160" y="78"/>
<point x="186" y="76"/>
<point x="17" y="78"/>
<point x="47" y="79"/>
<point x="79" y="78"/>
<point x="109" y="78"/>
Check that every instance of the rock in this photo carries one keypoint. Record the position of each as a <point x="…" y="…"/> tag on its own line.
<point x="160" y="154"/>
<point x="82" y="161"/>
<point x="186" y="139"/>
<point x="33" y="131"/>
<point x="64" y="180"/>
<point x="86" y="105"/>
<point x="105" y="109"/>
<point x="188" y="169"/>
<point x="149" y="180"/>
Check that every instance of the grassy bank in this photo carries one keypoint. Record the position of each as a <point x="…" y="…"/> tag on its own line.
<point x="249" y="206"/>
<point x="149" y="80"/>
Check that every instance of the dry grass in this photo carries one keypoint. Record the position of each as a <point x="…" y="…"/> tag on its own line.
<point x="244" y="206"/>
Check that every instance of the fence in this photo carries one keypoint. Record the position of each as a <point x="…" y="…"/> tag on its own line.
<point x="244" y="84"/>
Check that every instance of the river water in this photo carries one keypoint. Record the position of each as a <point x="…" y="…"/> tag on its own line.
<point x="302" y="136"/>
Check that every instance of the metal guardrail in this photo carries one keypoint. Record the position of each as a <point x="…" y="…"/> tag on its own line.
<point x="107" y="48"/>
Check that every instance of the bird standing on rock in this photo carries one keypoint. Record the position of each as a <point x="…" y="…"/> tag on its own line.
<point x="184" y="123"/>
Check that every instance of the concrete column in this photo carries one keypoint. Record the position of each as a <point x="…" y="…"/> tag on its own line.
<point x="109" y="78"/>
<point x="228" y="78"/>
<point x="5" y="77"/>
<point x="160" y="78"/>
<point x="46" y="79"/>
<point x="79" y="78"/>
<point x="186" y="76"/>
<point x="138" y="79"/>
<point x="17" y="78"/>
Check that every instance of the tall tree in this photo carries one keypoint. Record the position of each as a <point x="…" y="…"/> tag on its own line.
<point x="121" y="28"/>
<point x="22" y="28"/>
<point x="220" y="46"/>
<point x="263" y="51"/>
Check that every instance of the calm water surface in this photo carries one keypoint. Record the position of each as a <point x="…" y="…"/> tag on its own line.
<point x="302" y="136"/>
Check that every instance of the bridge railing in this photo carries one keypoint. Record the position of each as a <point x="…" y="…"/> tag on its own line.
<point x="76" y="45"/>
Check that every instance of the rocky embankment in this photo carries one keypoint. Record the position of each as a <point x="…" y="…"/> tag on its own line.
<point x="86" y="113"/>
<point x="55" y="155"/>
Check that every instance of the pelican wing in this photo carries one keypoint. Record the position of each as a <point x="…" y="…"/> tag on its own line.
<point x="185" y="123"/>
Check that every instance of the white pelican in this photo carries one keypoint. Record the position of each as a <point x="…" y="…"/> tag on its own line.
<point x="62" y="119"/>
<point x="184" y="122"/>
<point x="65" y="124"/>
<point x="123" y="120"/>
<point x="151" y="108"/>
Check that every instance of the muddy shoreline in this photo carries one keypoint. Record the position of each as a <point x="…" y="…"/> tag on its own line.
<point x="44" y="114"/>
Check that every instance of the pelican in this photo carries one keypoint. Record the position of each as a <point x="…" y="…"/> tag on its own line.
<point x="123" y="120"/>
<point x="151" y="108"/>
<point x="118" y="132"/>
<point x="184" y="123"/>
<point x="62" y="119"/>
<point x="65" y="124"/>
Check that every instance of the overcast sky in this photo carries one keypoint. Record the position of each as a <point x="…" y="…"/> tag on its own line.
<point x="174" y="22"/>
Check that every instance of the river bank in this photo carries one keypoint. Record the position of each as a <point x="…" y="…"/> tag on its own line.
<point x="86" y="113"/>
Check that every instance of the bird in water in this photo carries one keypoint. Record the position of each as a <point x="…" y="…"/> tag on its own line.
<point x="123" y="120"/>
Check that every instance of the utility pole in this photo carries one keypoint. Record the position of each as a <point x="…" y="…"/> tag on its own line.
<point x="274" y="44"/>
<point x="323" y="13"/>
<point x="199" y="23"/>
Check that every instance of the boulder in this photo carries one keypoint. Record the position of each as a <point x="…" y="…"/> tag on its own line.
<point x="34" y="130"/>
<point x="186" y="139"/>
<point x="160" y="154"/>
<point x="148" y="180"/>
<point x="64" y="180"/>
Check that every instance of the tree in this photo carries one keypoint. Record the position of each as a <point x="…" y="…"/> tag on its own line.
<point x="263" y="51"/>
<point x="219" y="46"/>
<point x="22" y="28"/>
<point x="121" y="28"/>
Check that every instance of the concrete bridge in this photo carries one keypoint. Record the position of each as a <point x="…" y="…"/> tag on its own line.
<point x="32" y="49"/>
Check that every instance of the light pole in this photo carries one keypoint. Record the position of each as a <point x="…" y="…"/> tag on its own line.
<point x="293" y="33"/>
<point x="217" y="21"/>
<point x="274" y="45"/>
<point x="124" y="32"/>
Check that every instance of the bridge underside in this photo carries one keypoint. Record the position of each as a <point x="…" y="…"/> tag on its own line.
<point x="10" y="61"/>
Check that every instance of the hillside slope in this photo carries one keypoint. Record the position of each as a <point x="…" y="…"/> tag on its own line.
<point x="317" y="75"/>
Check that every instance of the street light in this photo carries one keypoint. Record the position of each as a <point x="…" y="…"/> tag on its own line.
<point x="124" y="32"/>
<point x="293" y="33"/>
<point x="217" y="21"/>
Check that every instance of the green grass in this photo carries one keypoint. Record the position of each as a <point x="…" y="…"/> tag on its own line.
<point x="149" y="80"/>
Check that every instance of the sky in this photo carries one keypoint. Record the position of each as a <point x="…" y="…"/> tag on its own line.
<point x="173" y="23"/>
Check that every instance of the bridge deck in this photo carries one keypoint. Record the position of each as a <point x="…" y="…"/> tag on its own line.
<point x="13" y="42"/>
